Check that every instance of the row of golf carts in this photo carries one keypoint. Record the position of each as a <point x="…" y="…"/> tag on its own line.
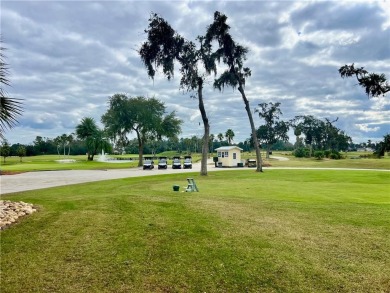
<point x="163" y="163"/>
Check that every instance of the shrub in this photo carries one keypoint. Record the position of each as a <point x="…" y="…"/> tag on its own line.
<point x="301" y="152"/>
<point x="335" y="155"/>
<point x="327" y="153"/>
<point x="319" y="155"/>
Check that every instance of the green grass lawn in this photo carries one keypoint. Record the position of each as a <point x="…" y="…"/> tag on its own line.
<point x="383" y="163"/>
<point x="279" y="231"/>
<point x="49" y="162"/>
<point x="351" y="160"/>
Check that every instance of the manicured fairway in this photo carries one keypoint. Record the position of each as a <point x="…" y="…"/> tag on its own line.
<point x="280" y="231"/>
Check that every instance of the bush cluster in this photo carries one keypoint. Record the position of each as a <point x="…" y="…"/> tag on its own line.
<point x="335" y="155"/>
<point x="301" y="153"/>
<point x="319" y="155"/>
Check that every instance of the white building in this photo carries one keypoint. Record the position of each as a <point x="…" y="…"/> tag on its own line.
<point x="229" y="156"/>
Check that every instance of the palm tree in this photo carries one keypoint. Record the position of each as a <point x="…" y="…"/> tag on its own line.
<point x="229" y="135"/>
<point x="94" y="138"/>
<point x="64" y="141"/>
<point x="10" y="108"/>
<point x="69" y="141"/>
<point x="220" y="137"/>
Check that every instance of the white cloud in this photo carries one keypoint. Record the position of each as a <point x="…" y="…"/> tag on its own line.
<point x="66" y="60"/>
<point x="380" y="103"/>
<point x="366" y="128"/>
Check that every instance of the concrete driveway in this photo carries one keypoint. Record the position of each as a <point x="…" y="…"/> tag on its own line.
<point x="44" y="179"/>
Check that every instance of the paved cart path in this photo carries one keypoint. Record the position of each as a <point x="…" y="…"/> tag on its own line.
<point x="45" y="179"/>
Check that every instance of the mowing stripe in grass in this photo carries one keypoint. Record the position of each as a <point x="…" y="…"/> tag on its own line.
<point x="283" y="231"/>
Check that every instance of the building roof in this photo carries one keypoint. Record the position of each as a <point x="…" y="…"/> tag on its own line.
<point x="228" y="148"/>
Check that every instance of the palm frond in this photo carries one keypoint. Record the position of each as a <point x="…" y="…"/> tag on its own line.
<point x="10" y="108"/>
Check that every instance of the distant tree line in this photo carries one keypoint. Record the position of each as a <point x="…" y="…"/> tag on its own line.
<point x="157" y="132"/>
<point x="50" y="146"/>
<point x="188" y="145"/>
<point x="74" y="146"/>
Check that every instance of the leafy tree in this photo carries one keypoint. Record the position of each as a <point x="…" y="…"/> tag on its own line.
<point x="233" y="55"/>
<point x="271" y="135"/>
<point x="146" y="117"/>
<point x="229" y="135"/>
<point x="5" y="149"/>
<point x="335" y="139"/>
<point x="10" y="108"/>
<point x="163" y="47"/>
<point x="57" y="142"/>
<point x="312" y="128"/>
<point x="42" y="145"/>
<point x="94" y="138"/>
<point x="246" y="145"/>
<point x="273" y="129"/>
<point x="320" y="135"/>
<point x="383" y="146"/>
<point x="21" y="151"/>
<point x="173" y="143"/>
<point x="374" y="84"/>
<point x="281" y="145"/>
<point x="187" y="142"/>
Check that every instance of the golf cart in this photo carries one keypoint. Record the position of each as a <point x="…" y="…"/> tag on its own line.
<point x="176" y="164"/>
<point x="148" y="163"/>
<point x="162" y="163"/>
<point x="187" y="162"/>
<point x="251" y="163"/>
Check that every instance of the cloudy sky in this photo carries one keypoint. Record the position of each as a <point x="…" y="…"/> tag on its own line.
<point x="67" y="58"/>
